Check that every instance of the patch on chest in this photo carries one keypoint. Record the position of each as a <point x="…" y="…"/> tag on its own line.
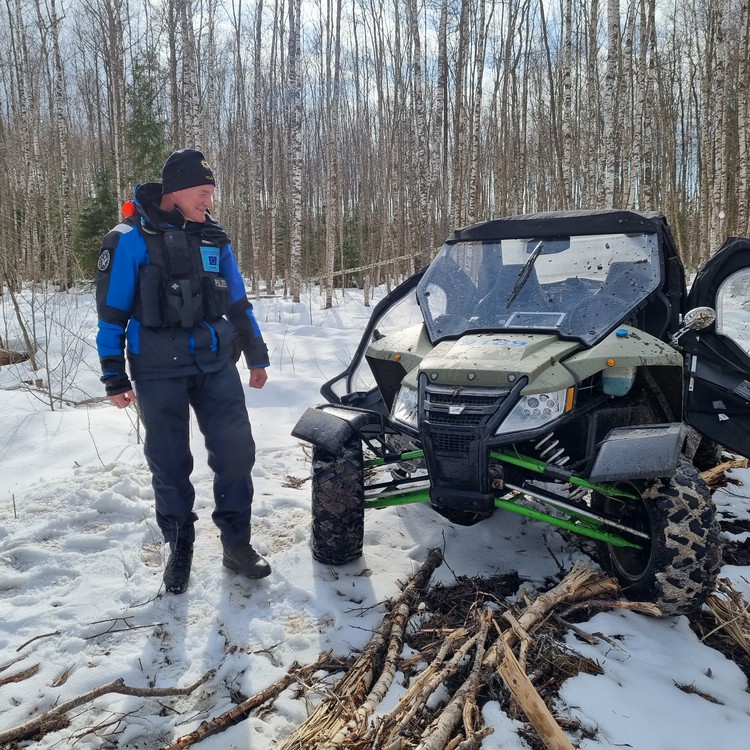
<point x="210" y="256"/>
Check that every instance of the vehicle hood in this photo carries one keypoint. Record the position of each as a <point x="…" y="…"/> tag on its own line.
<point x="497" y="360"/>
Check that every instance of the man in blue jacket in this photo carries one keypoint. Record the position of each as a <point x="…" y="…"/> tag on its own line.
<point x="169" y="292"/>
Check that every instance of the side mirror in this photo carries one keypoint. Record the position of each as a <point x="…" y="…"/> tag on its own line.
<point x="695" y="320"/>
<point x="699" y="318"/>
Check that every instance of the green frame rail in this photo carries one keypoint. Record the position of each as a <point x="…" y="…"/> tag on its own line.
<point x="576" y="524"/>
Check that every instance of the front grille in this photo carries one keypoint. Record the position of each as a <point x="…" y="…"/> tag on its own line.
<point x="463" y="406"/>
<point x="469" y="420"/>
<point x="455" y="418"/>
<point x="445" y="442"/>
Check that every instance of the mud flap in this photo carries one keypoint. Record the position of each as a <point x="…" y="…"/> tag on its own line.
<point x="330" y="427"/>
<point x="643" y="452"/>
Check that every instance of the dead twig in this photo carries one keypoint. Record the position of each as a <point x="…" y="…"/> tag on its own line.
<point x="732" y="614"/>
<point x="20" y="676"/>
<point x="40" y="725"/>
<point x="242" y="710"/>
<point x="36" y="638"/>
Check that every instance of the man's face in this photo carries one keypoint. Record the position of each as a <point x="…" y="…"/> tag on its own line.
<point x="193" y="202"/>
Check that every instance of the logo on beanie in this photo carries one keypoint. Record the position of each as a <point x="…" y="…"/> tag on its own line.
<point x="184" y="169"/>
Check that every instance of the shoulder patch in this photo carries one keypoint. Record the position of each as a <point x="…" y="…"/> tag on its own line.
<point x="105" y="258"/>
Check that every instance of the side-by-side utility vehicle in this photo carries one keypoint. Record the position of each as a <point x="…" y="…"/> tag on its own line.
<point x="552" y="365"/>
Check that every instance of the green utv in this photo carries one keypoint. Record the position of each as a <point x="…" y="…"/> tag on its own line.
<point x="552" y="365"/>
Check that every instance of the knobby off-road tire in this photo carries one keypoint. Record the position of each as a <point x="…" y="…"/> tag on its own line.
<point x="678" y="566"/>
<point x="708" y="455"/>
<point x="338" y="504"/>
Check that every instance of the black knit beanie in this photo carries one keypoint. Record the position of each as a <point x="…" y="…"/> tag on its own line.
<point x="185" y="168"/>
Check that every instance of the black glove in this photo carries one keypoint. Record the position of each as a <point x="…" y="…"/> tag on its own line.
<point x="116" y="383"/>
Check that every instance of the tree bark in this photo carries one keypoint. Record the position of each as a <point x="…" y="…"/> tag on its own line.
<point x="295" y="153"/>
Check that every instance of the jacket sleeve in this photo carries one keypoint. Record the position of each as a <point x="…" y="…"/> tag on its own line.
<point x="121" y="254"/>
<point x="241" y="312"/>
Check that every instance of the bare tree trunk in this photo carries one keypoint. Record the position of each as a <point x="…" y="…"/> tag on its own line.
<point x="66" y="264"/>
<point x="28" y="262"/>
<point x="458" y="212"/>
<point x="611" y="101"/>
<point x="558" y="166"/>
<point x="423" y="227"/>
<point x="476" y="115"/>
<point x="332" y="144"/>
<point x="295" y="157"/>
<point x="743" y="107"/>
<point x="593" y="135"/>
<point x="115" y="66"/>
<point x="649" y="112"/>
<point x="567" y="109"/>
<point x="175" y="119"/>
<point x="257" y="156"/>
<point x="719" y="122"/>
<point x="189" y="76"/>
<point x="439" y="140"/>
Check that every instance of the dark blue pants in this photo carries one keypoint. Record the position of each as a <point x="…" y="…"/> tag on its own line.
<point x="218" y="400"/>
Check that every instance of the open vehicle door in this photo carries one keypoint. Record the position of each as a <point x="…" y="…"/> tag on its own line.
<point x="717" y="392"/>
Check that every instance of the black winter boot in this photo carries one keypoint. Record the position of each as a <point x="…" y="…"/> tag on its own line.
<point x="243" y="559"/>
<point x="177" y="572"/>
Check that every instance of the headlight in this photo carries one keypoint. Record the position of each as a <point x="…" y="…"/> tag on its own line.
<point x="537" y="410"/>
<point x="405" y="407"/>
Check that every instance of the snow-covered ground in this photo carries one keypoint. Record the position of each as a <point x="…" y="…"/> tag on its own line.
<point x="81" y="562"/>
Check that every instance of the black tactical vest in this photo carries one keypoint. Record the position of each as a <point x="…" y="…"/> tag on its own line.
<point x="181" y="286"/>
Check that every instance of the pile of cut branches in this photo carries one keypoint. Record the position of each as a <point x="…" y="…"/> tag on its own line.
<point x="461" y="652"/>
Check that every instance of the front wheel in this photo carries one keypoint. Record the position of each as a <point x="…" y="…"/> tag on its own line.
<point x="678" y="564"/>
<point x="338" y="504"/>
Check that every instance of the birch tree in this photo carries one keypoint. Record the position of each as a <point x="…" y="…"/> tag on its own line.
<point x="295" y="151"/>
<point x="611" y="102"/>
<point x="333" y="70"/>
<point x="743" y="129"/>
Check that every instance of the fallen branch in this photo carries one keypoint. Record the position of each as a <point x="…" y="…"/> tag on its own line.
<point x="51" y="719"/>
<point x="333" y="713"/>
<point x="716" y="474"/>
<point x="424" y="686"/>
<point x="732" y="614"/>
<point x="343" y="719"/>
<point x="580" y="583"/>
<point x="20" y="676"/>
<point x="531" y="703"/>
<point x="438" y="733"/>
<point x="242" y="710"/>
<point x="36" y="638"/>
<point x="387" y="673"/>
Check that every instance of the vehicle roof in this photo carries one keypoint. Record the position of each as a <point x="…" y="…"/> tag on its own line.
<point x="567" y="223"/>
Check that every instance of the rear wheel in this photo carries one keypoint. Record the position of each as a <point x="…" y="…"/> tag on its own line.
<point x="677" y="567"/>
<point x="338" y="504"/>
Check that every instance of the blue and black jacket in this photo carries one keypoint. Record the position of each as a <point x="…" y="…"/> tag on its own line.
<point x="170" y="293"/>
